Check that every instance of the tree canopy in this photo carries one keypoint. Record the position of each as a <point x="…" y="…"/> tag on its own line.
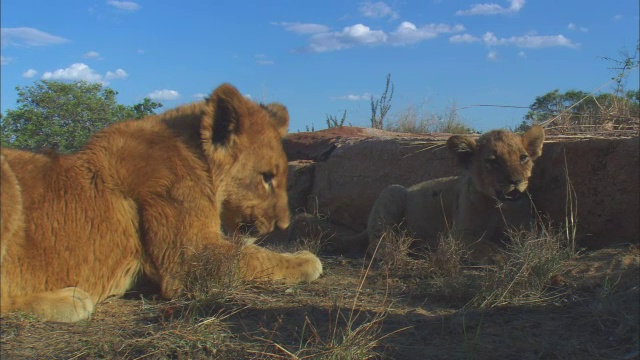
<point x="62" y="116"/>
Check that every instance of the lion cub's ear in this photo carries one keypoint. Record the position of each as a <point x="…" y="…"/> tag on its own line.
<point x="532" y="141"/>
<point x="224" y="111"/>
<point x="464" y="148"/>
<point x="279" y="114"/>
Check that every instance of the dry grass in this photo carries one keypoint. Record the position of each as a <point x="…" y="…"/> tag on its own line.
<point x="347" y="338"/>
<point x="446" y="260"/>
<point x="136" y="334"/>
<point x="531" y="260"/>
<point x="416" y="120"/>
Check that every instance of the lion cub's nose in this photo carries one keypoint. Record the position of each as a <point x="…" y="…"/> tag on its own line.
<point x="282" y="223"/>
<point x="515" y="182"/>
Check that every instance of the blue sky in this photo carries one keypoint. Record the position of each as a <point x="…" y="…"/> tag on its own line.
<point x="320" y="58"/>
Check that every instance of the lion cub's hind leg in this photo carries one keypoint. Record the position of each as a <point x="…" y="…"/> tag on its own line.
<point x="66" y="305"/>
<point x="386" y="214"/>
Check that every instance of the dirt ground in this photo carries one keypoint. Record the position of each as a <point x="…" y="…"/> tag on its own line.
<point x="345" y="315"/>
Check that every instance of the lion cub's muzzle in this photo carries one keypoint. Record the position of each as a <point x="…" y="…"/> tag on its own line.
<point x="512" y="195"/>
<point x="512" y="191"/>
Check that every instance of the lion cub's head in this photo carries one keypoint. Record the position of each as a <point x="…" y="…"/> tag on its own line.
<point x="499" y="162"/>
<point x="243" y="141"/>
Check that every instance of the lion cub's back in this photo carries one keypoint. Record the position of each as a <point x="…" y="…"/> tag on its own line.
<point x="429" y="208"/>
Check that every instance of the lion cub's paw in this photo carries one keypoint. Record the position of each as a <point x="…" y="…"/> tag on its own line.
<point x="66" y="305"/>
<point x="306" y="267"/>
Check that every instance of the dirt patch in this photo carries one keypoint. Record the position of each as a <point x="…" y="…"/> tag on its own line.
<point x="397" y="315"/>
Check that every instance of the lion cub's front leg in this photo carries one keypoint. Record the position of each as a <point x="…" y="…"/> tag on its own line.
<point x="258" y="263"/>
<point x="386" y="215"/>
<point x="66" y="305"/>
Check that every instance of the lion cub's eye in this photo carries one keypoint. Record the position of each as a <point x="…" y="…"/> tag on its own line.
<point x="524" y="158"/>
<point x="267" y="177"/>
<point x="491" y="161"/>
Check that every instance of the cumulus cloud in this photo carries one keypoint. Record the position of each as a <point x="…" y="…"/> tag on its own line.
<point x="128" y="6"/>
<point x="492" y="56"/>
<point x="408" y="33"/>
<point x="26" y="37"/>
<point x="349" y="37"/>
<point x="118" y="74"/>
<point x="80" y="71"/>
<point x="377" y="10"/>
<point x="301" y="28"/>
<point x="163" y="94"/>
<point x="493" y="9"/>
<point x="5" y="60"/>
<point x="29" y="73"/>
<point x="359" y="34"/>
<point x="352" y="97"/>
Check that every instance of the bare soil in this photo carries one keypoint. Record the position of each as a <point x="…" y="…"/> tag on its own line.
<point x="393" y="315"/>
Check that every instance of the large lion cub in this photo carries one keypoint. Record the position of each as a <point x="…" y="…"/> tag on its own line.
<point x="141" y="198"/>
<point x="477" y="208"/>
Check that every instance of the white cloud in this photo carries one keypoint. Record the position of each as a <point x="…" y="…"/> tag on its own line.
<point x="350" y="36"/>
<point x="408" y="33"/>
<point x="464" y="38"/>
<point x="522" y="54"/>
<point x="493" y="9"/>
<point x="352" y="97"/>
<point x="92" y="55"/>
<point x="118" y="74"/>
<point x="492" y="56"/>
<point x="300" y="28"/>
<point x="164" y="94"/>
<point x="617" y="17"/>
<point x="405" y="34"/>
<point x="200" y="96"/>
<point x="531" y="41"/>
<point x="535" y="41"/>
<point x="29" y="73"/>
<point x="129" y="6"/>
<point x="263" y="59"/>
<point x="5" y="60"/>
<point x="377" y="10"/>
<point x="80" y="71"/>
<point x="574" y="27"/>
<point x="26" y="36"/>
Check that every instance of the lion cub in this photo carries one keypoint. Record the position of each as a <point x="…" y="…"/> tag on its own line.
<point x="477" y="208"/>
<point x="141" y="199"/>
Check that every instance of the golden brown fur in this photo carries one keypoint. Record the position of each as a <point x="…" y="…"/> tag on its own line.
<point x="139" y="199"/>
<point x="477" y="207"/>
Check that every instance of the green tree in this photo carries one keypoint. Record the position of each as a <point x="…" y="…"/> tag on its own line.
<point x="579" y="110"/>
<point x="63" y="116"/>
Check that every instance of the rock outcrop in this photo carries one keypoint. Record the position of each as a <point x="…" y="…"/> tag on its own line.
<point x="339" y="173"/>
